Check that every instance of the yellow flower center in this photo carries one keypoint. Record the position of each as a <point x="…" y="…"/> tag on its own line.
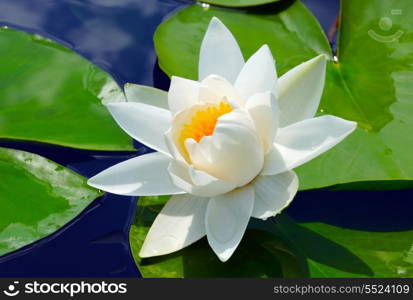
<point x="203" y="122"/>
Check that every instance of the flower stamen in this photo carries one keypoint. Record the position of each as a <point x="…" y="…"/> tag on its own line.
<point x="203" y="122"/>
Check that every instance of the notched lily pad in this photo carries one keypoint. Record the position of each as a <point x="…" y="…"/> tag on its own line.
<point x="52" y="95"/>
<point x="37" y="197"/>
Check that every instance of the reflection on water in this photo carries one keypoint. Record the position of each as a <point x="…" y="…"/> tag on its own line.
<point x="96" y="36"/>
<point x="17" y="11"/>
<point x="114" y="34"/>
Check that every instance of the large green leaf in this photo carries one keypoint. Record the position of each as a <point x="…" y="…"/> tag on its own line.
<point x="330" y="251"/>
<point x="371" y="82"/>
<point x="239" y="3"/>
<point x="37" y="197"/>
<point x="52" y="95"/>
<point x="261" y="253"/>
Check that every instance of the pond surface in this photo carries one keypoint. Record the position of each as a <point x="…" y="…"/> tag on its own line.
<point x="117" y="35"/>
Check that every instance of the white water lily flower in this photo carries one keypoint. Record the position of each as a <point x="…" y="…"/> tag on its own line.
<point x="226" y="144"/>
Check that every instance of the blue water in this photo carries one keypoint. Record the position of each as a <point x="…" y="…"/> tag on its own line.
<point x="117" y="36"/>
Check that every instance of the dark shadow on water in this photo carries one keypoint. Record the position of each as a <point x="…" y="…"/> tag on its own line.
<point x="160" y="79"/>
<point x="362" y="210"/>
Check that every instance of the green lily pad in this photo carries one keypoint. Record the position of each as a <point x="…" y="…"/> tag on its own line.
<point x="52" y="95"/>
<point x="239" y="3"/>
<point x="37" y="197"/>
<point x="371" y="82"/>
<point x="260" y="254"/>
<point x="290" y="30"/>
<point x="329" y="251"/>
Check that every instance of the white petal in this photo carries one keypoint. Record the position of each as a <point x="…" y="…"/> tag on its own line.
<point x="220" y="53"/>
<point x="300" y="142"/>
<point x="227" y="218"/>
<point x="300" y="91"/>
<point x="145" y="123"/>
<point x="197" y="182"/>
<point x="173" y="150"/>
<point x="180" y="223"/>
<point x="233" y="153"/>
<point x="147" y="95"/>
<point x="274" y="193"/>
<point x="263" y="110"/>
<point x="183" y="93"/>
<point x="215" y="88"/>
<point x="144" y="175"/>
<point x="200" y="153"/>
<point x="258" y="75"/>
